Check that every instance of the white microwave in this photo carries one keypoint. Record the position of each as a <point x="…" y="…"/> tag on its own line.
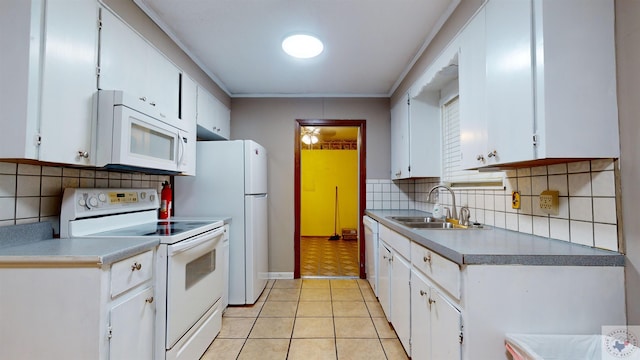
<point x="130" y="139"/>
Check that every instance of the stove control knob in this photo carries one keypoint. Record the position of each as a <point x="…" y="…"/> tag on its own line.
<point x="102" y="197"/>
<point x="152" y="198"/>
<point x="143" y="195"/>
<point x="93" y="202"/>
<point x="82" y="202"/>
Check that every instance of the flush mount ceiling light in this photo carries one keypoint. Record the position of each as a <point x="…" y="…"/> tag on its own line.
<point x="302" y="46"/>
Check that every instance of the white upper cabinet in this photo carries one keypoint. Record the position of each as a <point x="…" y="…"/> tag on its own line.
<point x="473" y="108"/>
<point x="214" y="118"/>
<point x="129" y="63"/>
<point x="509" y="82"/>
<point x="415" y="138"/>
<point x="550" y="88"/>
<point x="400" y="139"/>
<point x="48" y="77"/>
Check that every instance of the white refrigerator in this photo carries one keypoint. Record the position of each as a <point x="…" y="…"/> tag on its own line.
<point x="231" y="180"/>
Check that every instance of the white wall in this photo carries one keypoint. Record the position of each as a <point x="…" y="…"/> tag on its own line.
<point x="628" y="63"/>
<point x="271" y="122"/>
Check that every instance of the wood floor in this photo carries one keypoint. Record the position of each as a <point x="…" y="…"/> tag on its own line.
<point x="320" y="256"/>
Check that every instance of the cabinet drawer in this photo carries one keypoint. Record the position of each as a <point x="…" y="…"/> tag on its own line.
<point x="128" y="273"/>
<point x="440" y="270"/>
<point x="399" y="243"/>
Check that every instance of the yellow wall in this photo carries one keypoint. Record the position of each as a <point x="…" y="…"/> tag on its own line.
<point x="321" y="172"/>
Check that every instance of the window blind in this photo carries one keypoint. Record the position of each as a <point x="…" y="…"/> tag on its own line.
<point x="452" y="172"/>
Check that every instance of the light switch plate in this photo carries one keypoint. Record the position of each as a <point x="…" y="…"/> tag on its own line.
<point x="549" y="202"/>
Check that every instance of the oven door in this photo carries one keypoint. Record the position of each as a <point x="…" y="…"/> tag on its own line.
<point x="194" y="281"/>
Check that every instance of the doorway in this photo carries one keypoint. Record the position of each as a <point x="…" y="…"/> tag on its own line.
<point x="357" y="194"/>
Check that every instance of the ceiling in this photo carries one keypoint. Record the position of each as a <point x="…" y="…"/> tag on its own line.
<point x="369" y="44"/>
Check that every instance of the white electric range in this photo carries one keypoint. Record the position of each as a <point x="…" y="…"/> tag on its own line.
<point x="190" y="262"/>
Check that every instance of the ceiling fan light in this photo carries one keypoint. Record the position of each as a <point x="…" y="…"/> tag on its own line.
<point x="302" y="46"/>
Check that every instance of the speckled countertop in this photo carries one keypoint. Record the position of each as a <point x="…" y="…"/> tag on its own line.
<point x="495" y="246"/>
<point x="33" y="244"/>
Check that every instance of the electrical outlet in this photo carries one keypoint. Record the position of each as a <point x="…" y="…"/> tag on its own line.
<point x="515" y="199"/>
<point x="549" y="202"/>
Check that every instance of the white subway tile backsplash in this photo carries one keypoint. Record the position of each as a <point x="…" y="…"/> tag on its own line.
<point x="51" y="171"/>
<point x="585" y="216"/>
<point x="31" y="193"/>
<point x="559" y="229"/>
<point x="602" y="164"/>
<point x="606" y="236"/>
<point x="580" y="166"/>
<point x="557" y="169"/>
<point x="559" y="183"/>
<point x="28" y="185"/>
<point x="538" y="185"/>
<point x="8" y="168"/>
<point x="581" y="232"/>
<point x="50" y="206"/>
<point x="604" y="210"/>
<point x="524" y="185"/>
<point x="27" y="207"/>
<point x="541" y="226"/>
<point x="51" y="186"/>
<point x="525" y="224"/>
<point x="71" y="172"/>
<point x="72" y="182"/>
<point x="580" y="208"/>
<point x="580" y="184"/>
<point x="603" y="183"/>
<point x="511" y="221"/>
<point x="87" y="183"/>
<point x="526" y="205"/>
<point x="28" y="169"/>
<point x="7" y="208"/>
<point x="7" y="185"/>
<point x="539" y="171"/>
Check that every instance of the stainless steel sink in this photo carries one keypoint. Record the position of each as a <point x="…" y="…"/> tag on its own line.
<point x="428" y="222"/>
<point x="415" y="219"/>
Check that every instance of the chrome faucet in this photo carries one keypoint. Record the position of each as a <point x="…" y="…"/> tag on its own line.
<point x="454" y="213"/>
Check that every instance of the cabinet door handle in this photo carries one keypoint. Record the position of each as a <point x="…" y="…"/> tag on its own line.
<point x="83" y="154"/>
<point x="423" y="293"/>
<point x="480" y="158"/>
<point x="152" y="103"/>
<point x="144" y="98"/>
<point x="427" y="258"/>
<point x="149" y="299"/>
<point x="431" y="301"/>
<point x="136" y="266"/>
<point x="492" y="154"/>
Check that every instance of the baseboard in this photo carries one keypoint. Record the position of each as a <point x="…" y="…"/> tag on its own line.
<point x="280" y="275"/>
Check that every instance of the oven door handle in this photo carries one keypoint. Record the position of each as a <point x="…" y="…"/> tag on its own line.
<point x="201" y="239"/>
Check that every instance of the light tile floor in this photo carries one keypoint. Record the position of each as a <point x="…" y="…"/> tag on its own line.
<point x="308" y="319"/>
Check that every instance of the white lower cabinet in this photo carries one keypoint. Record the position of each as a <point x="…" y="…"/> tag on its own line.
<point x="395" y="275"/>
<point x="384" y="272"/>
<point x="77" y="311"/>
<point x="134" y="319"/>
<point x="436" y="324"/>
<point x="401" y="299"/>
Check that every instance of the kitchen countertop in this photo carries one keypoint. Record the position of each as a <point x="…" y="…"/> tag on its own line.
<point x="32" y="245"/>
<point x="495" y="246"/>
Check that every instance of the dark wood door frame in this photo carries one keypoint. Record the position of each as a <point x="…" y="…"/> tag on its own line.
<point x="362" y="183"/>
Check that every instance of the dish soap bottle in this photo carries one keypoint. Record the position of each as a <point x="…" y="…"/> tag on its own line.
<point x="437" y="211"/>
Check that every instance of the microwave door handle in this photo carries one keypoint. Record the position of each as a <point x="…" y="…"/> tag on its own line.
<point x="181" y="150"/>
<point x="190" y="244"/>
